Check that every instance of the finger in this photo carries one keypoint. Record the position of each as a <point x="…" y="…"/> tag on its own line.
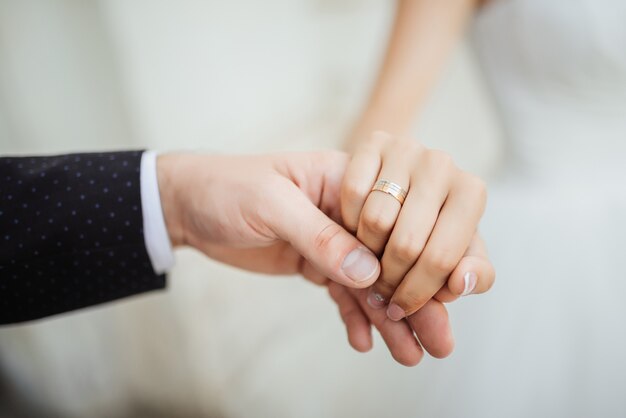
<point x="430" y="184"/>
<point x="444" y="295"/>
<point x="474" y="274"/>
<point x="448" y="242"/>
<point x="311" y="274"/>
<point x="381" y="209"/>
<point x="398" y="336"/>
<point x="432" y="326"/>
<point x="329" y="248"/>
<point x="357" y="325"/>
<point x="475" y="260"/>
<point x="359" y="179"/>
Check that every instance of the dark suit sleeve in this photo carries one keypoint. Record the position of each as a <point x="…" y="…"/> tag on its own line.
<point x="71" y="233"/>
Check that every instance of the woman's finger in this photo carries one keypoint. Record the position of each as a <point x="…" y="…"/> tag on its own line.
<point x="381" y="209"/>
<point x="359" y="179"/>
<point x="431" y="180"/>
<point x="357" y="325"/>
<point x="446" y="246"/>
<point x="474" y="274"/>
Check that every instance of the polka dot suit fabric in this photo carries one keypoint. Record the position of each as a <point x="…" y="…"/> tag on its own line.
<point x="71" y="233"/>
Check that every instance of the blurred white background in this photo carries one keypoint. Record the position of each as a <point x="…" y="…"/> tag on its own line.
<point x="241" y="76"/>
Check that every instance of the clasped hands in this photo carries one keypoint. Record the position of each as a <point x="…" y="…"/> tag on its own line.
<point x="386" y="264"/>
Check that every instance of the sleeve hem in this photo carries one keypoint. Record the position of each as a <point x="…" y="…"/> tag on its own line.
<point x="156" y="237"/>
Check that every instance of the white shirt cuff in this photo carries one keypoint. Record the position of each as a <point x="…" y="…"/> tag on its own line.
<point x="155" y="233"/>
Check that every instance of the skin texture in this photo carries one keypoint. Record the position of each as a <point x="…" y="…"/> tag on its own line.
<point x="272" y="214"/>
<point x="281" y="214"/>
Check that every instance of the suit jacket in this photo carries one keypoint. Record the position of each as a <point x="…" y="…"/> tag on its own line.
<point x="71" y="233"/>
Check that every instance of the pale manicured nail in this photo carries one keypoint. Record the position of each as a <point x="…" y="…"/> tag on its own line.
<point x="360" y="265"/>
<point x="470" y="279"/>
<point x="395" y="312"/>
<point x="375" y="299"/>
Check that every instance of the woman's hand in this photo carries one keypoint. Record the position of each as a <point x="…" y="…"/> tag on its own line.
<point x="422" y="240"/>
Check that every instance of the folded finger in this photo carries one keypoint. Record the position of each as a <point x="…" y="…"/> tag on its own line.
<point x="428" y="191"/>
<point x="446" y="246"/>
<point x="475" y="273"/>
<point x="357" y="325"/>
<point x="398" y="336"/>
<point x="312" y="274"/>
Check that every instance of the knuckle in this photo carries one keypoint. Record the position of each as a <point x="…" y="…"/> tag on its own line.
<point x="441" y="262"/>
<point x="377" y="222"/>
<point x="404" y="148"/>
<point x="412" y="146"/>
<point x="324" y="238"/>
<point x="479" y="186"/>
<point x="354" y="191"/>
<point x="377" y="141"/>
<point x="406" y="251"/>
<point x="440" y="159"/>
<point x="385" y="287"/>
<point x="440" y="165"/>
<point x="410" y="301"/>
<point x="476" y="186"/>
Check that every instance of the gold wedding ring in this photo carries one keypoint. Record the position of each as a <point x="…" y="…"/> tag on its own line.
<point x="391" y="188"/>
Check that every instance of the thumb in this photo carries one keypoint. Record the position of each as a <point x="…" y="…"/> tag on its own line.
<point x="327" y="246"/>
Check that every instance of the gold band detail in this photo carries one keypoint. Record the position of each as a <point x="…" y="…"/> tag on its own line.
<point x="391" y="188"/>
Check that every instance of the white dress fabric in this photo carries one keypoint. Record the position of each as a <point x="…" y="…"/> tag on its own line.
<point x="550" y="339"/>
<point x="547" y="341"/>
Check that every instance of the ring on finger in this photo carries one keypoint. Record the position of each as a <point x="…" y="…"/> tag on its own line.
<point x="391" y="188"/>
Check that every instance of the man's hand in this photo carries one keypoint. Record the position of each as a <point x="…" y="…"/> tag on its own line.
<point x="272" y="214"/>
<point x="430" y="324"/>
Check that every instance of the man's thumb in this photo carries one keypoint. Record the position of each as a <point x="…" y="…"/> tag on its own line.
<point x="327" y="246"/>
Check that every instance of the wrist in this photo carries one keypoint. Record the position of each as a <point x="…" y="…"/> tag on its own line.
<point x="388" y="118"/>
<point x="372" y="120"/>
<point x="170" y="175"/>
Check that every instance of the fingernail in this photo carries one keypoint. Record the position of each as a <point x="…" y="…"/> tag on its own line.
<point x="360" y="265"/>
<point x="395" y="312"/>
<point x="470" y="279"/>
<point x="375" y="299"/>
